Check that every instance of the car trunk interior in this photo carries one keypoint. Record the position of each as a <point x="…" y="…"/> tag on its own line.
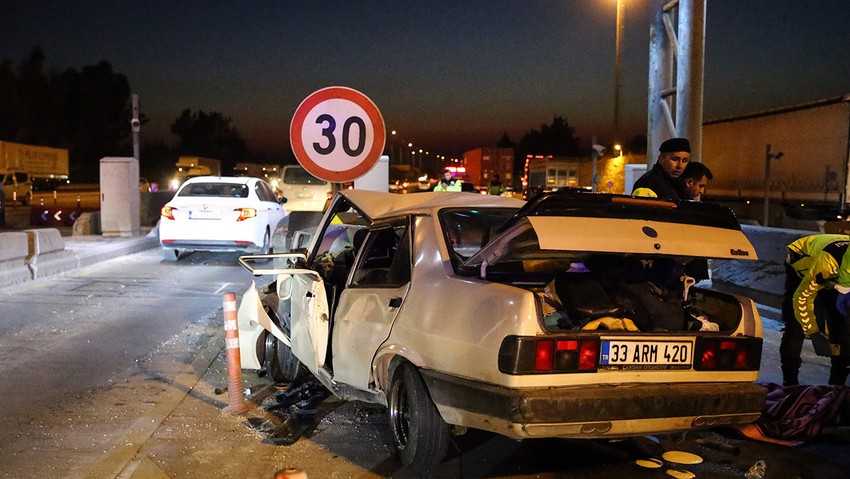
<point x="623" y="292"/>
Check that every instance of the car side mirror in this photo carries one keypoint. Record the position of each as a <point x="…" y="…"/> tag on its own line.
<point x="282" y="200"/>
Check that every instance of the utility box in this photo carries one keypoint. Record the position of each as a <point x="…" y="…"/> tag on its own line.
<point x="119" y="196"/>
<point x="378" y="178"/>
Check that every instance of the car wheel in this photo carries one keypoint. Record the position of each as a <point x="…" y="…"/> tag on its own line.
<point x="170" y="254"/>
<point x="420" y="435"/>
<point x="281" y="365"/>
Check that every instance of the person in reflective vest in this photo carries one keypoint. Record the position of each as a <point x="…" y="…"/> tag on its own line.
<point x="448" y="182"/>
<point x="816" y="304"/>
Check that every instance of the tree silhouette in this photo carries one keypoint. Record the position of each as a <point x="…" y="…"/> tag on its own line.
<point x="210" y="135"/>
<point x="85" y="111"/>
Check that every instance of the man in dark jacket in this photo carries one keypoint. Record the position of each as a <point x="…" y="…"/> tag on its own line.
<point x="662" y="181"/>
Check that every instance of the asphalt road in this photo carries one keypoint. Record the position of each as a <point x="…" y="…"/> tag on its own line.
<point x="111" y="371"/>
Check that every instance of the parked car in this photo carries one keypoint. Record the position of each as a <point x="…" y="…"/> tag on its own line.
<point x="219" y="213"/>
<point x="574" y="315"/>
<point x="303" y="191"/>
<point x="17" y="185"/>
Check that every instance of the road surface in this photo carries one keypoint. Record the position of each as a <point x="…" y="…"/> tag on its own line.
<point x="111" y="371"/>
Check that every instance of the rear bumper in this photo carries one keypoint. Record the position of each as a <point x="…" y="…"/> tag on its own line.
<point x="593" y="411"/>
<point x="210" y="245"/>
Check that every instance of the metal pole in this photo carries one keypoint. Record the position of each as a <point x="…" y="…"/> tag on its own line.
<point x="766" y="213"/>
<point x="594" y="156"/>
<point x="689" y="73"/>
<point x="135" y="125"/>
<point x="661" y="53"/>
<point x="617" y="46"/>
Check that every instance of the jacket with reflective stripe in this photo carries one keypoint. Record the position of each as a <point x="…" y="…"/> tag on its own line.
<point x="821" y="263"/>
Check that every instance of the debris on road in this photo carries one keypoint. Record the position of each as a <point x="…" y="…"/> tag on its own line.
<point x="295" y="413"/>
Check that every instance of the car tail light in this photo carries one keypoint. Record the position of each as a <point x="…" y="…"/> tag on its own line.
<point x="532" y="355"/>
<point x="245" y="213"/>
<point x="166" y="212"/>
<point x="727" y="354"/>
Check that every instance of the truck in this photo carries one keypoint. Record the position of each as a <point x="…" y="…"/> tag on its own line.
<point x="27" y="167"/>
<point x="192" y="166"/>
<point x="783" y="163"/>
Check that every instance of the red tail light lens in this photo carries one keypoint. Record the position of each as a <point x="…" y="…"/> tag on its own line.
<point x="529" y="355"/>
<point x="543" y="356"/>
<point x="166" y="212"/>
<point x="245" y="213"/>
<point x="735" y="354"/>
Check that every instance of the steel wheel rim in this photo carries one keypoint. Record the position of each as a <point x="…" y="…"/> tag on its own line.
<point x="399" y="415"/>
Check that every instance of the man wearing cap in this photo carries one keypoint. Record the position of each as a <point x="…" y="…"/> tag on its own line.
<point x="662" y="181"/>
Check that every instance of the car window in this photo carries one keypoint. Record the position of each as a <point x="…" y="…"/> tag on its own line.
<point x="468" y="230"/>
<point x="338" y="235"/>
<point x="385" y="261"/>
<point x="21" y="177"/>
<point x="299" y="176"/>
<point x="221" y="190"/>
<point x="264" y="192"/>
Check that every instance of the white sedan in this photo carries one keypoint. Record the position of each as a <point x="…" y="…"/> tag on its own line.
<point x="212" y="213"/>
<point x="572" y="315"/>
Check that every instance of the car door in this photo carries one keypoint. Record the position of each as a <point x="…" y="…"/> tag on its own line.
<point x="271" y="212"/>
<point x="372" y="299"/>
<point x="309" y="290"/>
<point x="310" y="321"/>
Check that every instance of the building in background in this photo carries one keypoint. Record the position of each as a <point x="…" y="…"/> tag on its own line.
<point x="483" y="164"/>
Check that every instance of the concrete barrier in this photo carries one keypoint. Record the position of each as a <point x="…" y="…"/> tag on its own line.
<point x="14" y="249"/>
<point x="87" y="224"/>
<point x="47" y="253"/>
<point x="767" y="274"/>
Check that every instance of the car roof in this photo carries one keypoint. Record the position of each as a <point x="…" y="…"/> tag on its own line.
<point x="377" y="205"/>
<point x="222" y="179"/>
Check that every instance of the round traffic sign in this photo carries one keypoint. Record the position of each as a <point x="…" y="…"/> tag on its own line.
<point x="337" y="134"/>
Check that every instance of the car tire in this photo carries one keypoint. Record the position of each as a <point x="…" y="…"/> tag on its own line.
<point x="420" y="436"/>
<point x="170" y="254"/>
<point x="281" y="365"/>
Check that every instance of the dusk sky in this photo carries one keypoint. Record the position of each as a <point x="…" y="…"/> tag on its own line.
<point x="450" y="76"/>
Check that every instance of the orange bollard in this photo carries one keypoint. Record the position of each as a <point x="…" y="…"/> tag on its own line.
<point x="235" y="399"/>
<point x="290" y="473"/>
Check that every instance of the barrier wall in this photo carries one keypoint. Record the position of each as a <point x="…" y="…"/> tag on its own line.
<point x="47" y="254"/>
<point x="767" y="274"/>
<point x="14" y="250"/>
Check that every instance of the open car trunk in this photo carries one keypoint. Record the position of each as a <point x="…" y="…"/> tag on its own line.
<point x="625" y="264"/>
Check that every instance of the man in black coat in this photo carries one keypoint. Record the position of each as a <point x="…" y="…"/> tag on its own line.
<point x="662" y="181"/>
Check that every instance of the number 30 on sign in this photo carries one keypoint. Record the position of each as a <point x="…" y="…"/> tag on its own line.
<point x="337" y="134"/>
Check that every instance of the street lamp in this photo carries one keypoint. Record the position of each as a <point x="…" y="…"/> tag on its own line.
<point x="617" y="44"/>
<point x="767" y="157"/>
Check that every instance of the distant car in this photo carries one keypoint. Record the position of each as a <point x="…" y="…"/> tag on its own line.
<point x="572" y="315"/>
<point x="219" y="213"/>
<point x="17" y="185"/>
<point x="303" y="191"/>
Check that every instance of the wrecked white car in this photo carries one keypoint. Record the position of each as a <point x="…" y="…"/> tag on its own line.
<point x="572" y="315"/>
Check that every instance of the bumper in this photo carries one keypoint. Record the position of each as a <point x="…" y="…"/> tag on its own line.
<point x="210" y="245"/>
<point x="593" y="411"/>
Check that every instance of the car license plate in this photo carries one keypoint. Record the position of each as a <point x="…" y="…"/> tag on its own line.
<point x="204" y="215"/>
<point x="627" y="354"/>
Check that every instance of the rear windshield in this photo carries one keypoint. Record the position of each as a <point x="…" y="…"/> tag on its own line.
<point x="299" y="176"/>
<point x="468" y="230"/>
<point x="221" y="190"/>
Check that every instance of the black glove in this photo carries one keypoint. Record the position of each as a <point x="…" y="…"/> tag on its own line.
<point x="821" y="344"/>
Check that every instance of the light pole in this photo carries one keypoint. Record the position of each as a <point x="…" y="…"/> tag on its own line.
<point x="767" y="157"/>
<point x="617" y="46"/>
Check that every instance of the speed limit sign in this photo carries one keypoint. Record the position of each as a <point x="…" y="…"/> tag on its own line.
<point x="337" y="134"/>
